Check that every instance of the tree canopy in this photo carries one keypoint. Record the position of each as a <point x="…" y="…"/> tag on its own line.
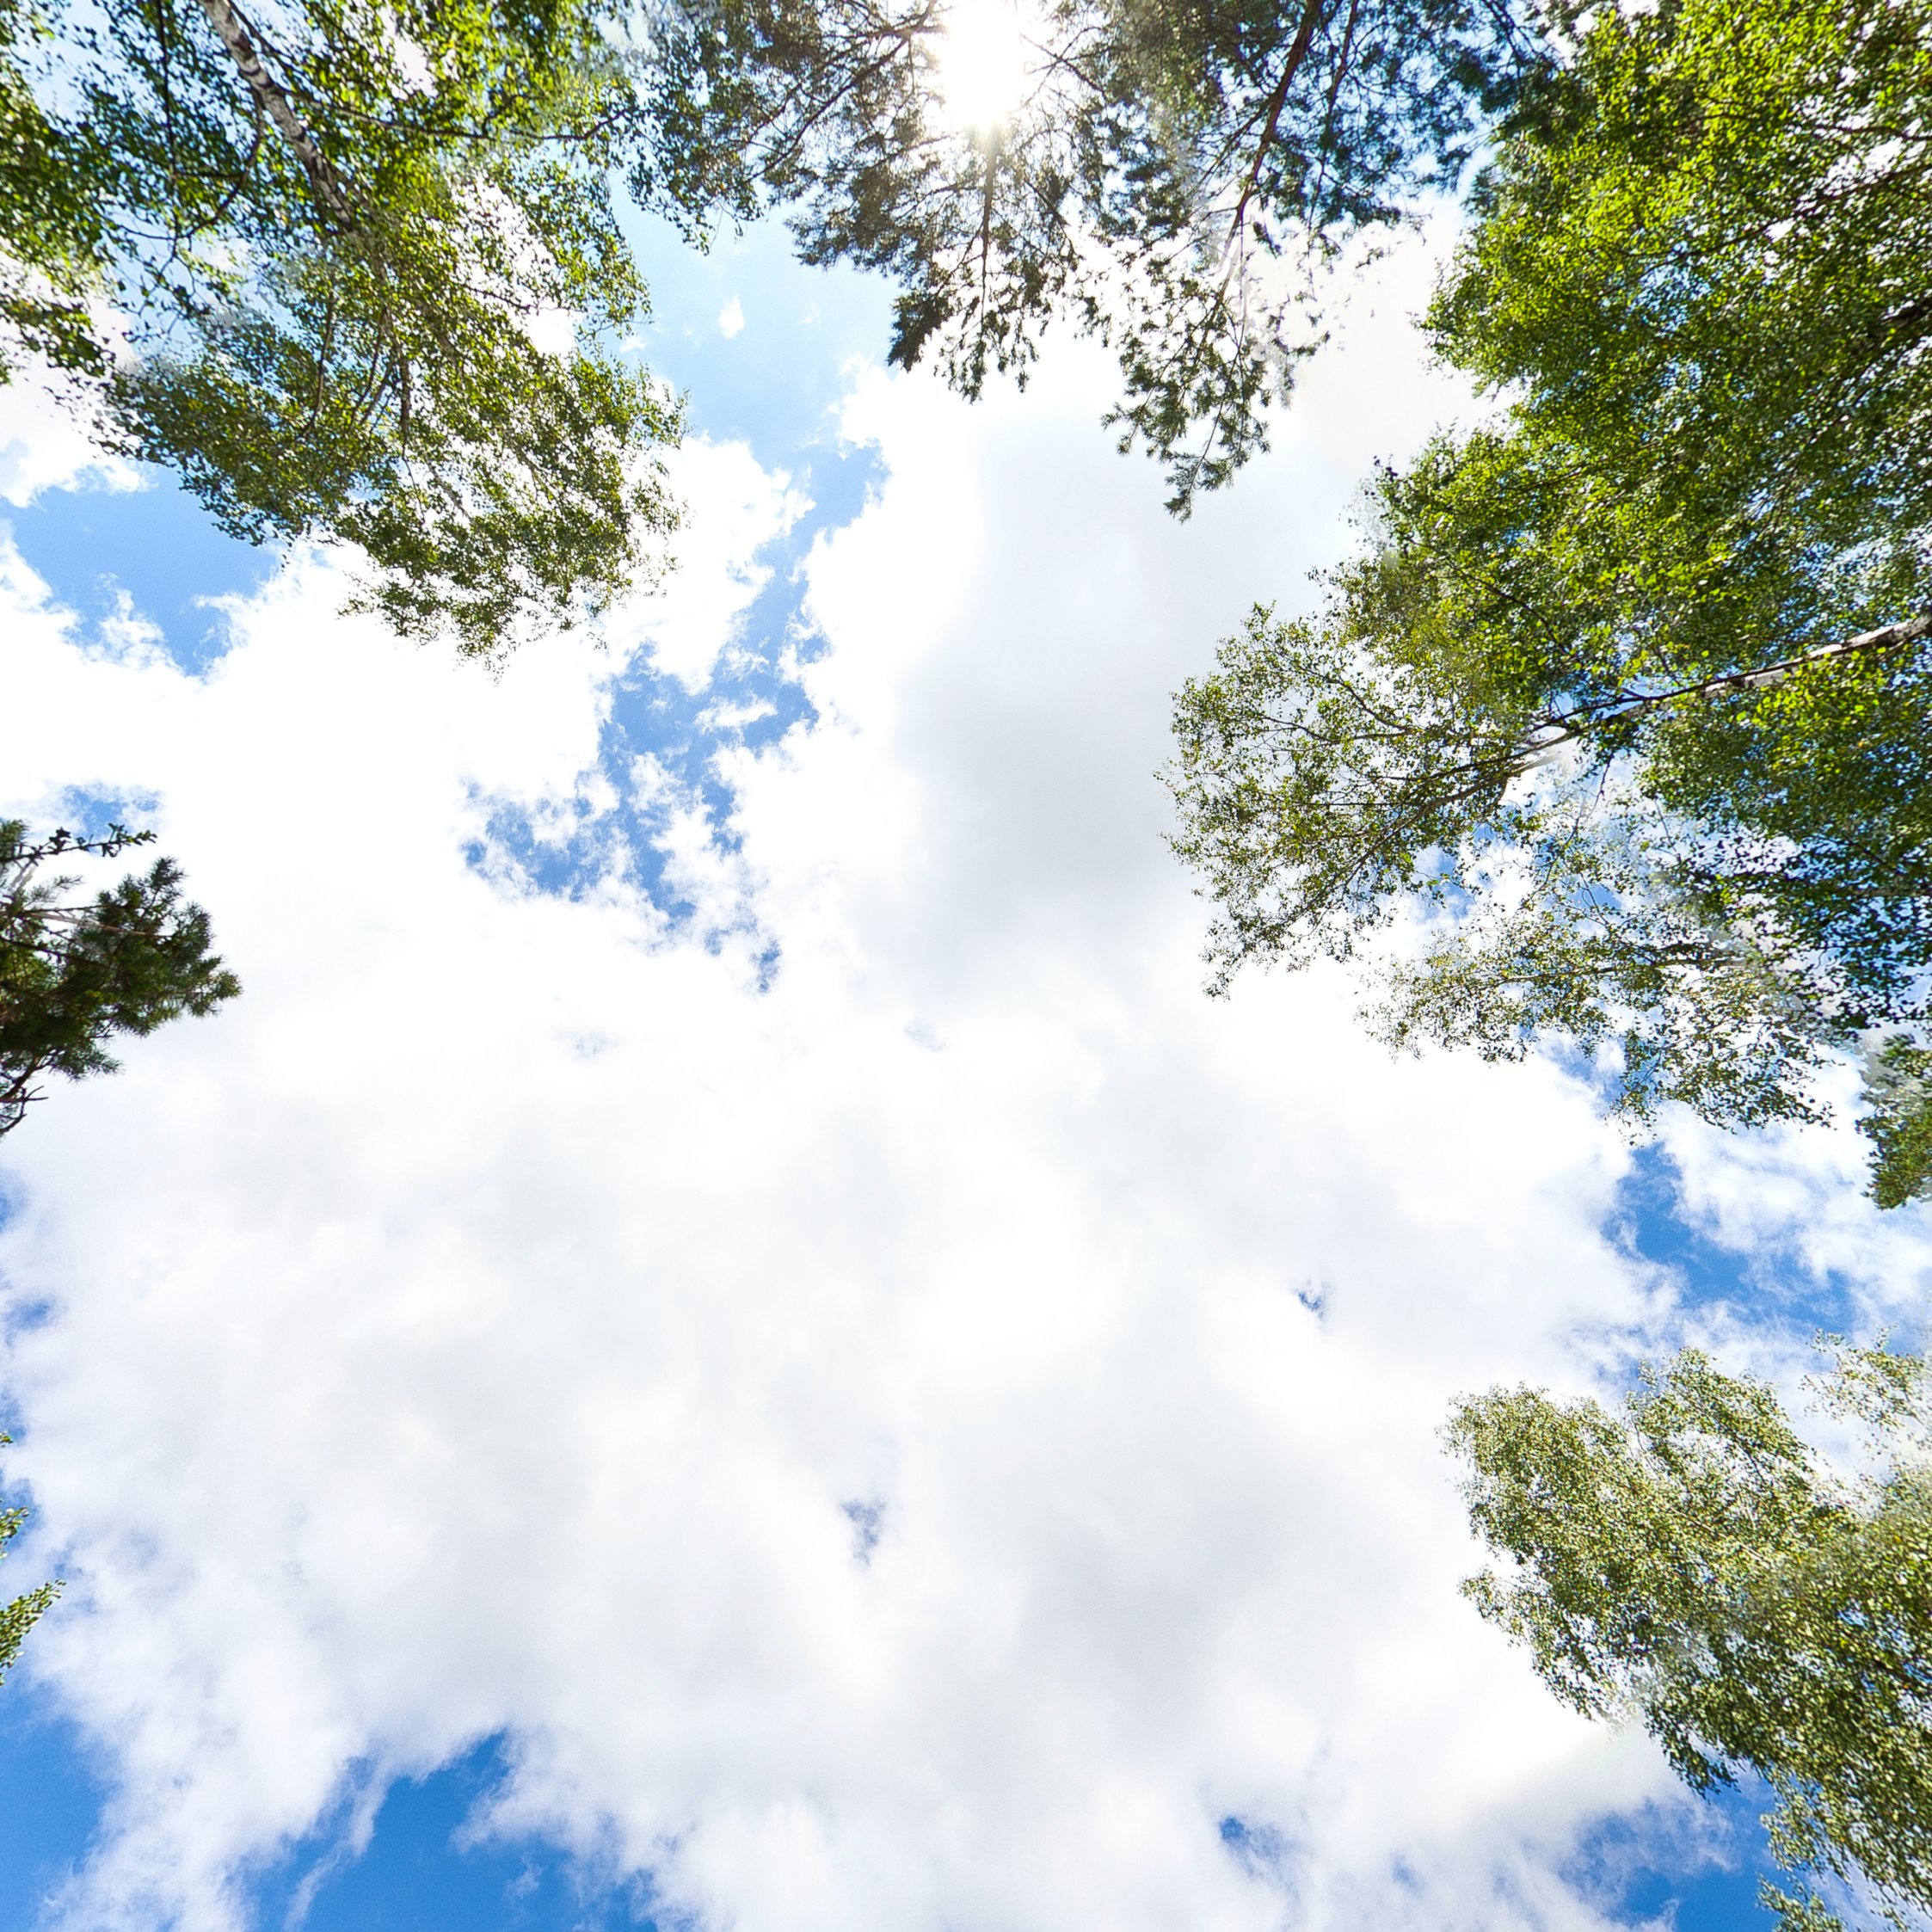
<point x="1690" y="1564"/>
<point x="73" y="974"/>
<point x="347" y="241"/>
<point x="1169" y="175"/>
<point x="1627" y="696"/>
<point x="369" y="275"/>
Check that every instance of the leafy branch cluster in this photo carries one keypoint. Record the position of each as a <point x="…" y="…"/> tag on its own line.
<point x="21" y="1613"/>
<point x="1690" y="1563"/>
<point x="343" y="238"/>
<point x="1170" y="182"/>
<point x="1628" y="694"/>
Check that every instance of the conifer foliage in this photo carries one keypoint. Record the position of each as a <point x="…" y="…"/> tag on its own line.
<point x="76" y="973"/>
<point x="1170" y="175"/>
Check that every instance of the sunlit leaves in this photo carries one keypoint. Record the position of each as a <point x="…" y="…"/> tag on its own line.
<point x="375" y="283"/>
<point x="1171" y="179"/>
<point x="1630" y="693"/>
<point x="1689" y="1563"/>
<point x="19" y="1615"/>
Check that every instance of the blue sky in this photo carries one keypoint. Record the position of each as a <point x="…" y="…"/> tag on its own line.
<point x="695" y="1097"/>
<point x="420" y="1868"/>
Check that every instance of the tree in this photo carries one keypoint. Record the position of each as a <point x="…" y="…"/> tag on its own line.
<point x="370" y="276"/>
<point x="19" y="1616"/>
<point x="332" y="223"/>
<point x="1690" y="1564"/>
<point x="1626" y="704"/>
<point x="1169" y="177"/>
<point x="74" y="975"/>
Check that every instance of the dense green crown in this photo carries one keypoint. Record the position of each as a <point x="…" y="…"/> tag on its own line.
<point x="371" y="278"/>
<point x="1690" y="1563"/>
<point x="1631" y="685"/>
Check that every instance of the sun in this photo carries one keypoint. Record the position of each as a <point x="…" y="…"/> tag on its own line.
<point x="984" y="65"/>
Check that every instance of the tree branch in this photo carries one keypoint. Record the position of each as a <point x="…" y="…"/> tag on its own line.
<point x="273" y="100"/>
<point x="1554" y="733"/>
<point x="1311" y="19"/>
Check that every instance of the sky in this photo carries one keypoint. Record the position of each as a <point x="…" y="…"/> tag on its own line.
<point x="724" y="1337"/>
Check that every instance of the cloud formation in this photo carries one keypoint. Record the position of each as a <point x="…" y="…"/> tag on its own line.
<point x="906" y="1413"/>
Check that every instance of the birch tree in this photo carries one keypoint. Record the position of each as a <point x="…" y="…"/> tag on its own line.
<point x="372" y="282"/>
<point x="1691" y="1565"/>
<point x="1621" y="713"/>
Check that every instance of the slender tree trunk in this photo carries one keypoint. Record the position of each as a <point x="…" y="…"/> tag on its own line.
<point x="1297" y="52"/>
<point x="1556" y="732"/>
<point x="274" y="101"/>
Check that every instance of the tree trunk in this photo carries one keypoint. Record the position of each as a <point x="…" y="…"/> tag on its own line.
<point x="273" y="101"/>
<point x="1554" y="733"/>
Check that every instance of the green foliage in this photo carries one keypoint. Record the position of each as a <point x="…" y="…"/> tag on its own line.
<point x="19" y="1616"/>
<point x="1690" y="1564"/>
<point x="1707" y="245"/>
<point x="1899" y="1121"/>
<point x="1628" y="695"/>
<point x="337" y="230"/>
<point x="1171" y="179"/>
<point x="72" y="975"/>
<point x="52" y="222"/>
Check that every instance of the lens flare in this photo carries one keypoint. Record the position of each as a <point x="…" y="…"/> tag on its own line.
<point x="983" y="65"/>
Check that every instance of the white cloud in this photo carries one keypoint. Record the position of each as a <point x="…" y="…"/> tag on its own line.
<point x="44" y="444"/>
<point x="483" y="1323"/>
<point x="1792" y="1203"/>
<point x="731" y="318"/>
<point x="732" y="508"/>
